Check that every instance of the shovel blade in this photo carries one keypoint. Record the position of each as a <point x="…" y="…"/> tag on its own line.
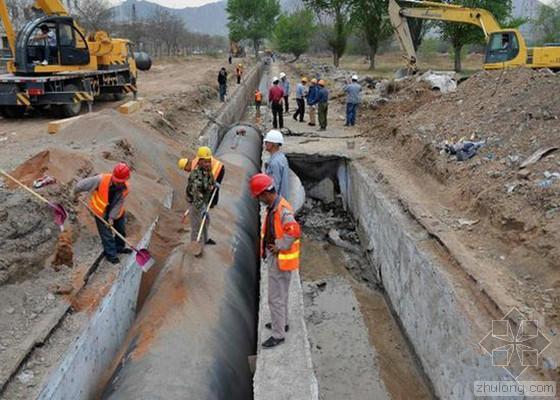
<point x="60" y="214"/>
<point x="195" y="248"/>
<point x="144" y="259"/>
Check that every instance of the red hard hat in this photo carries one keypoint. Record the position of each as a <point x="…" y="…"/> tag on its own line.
<point x="121" y="172"/>
<point x="259" y="183"/>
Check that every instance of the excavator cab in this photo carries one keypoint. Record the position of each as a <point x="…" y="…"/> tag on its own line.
<point x="65" y="45"/>
<point x="502" y="47"/>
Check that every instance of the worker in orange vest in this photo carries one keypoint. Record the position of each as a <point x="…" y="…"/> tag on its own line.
<point x="258" y="100"/>
<point x="280" y="247"/>
<point x="239" y="72"/>
<point x="108" y="193"/>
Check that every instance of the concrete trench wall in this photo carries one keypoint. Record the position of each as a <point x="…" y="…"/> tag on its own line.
<point x="440" y="318"/>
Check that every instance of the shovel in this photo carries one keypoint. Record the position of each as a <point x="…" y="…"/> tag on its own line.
<point x="59" y="212"/>
<point x="143" y="257"/>
<point x="185" y="215"/>
<point x="195" y="248"/>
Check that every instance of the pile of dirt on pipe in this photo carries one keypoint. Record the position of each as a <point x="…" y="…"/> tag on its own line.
<point x="197" y="328"/>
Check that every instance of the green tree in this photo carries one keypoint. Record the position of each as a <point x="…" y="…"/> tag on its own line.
<point x="293" y="33"/>
<point x="253" y="20"/>
<point x="370" y="16"/>
<point x="460" y="35"/>
<point x="548" y="22"/>
<point x="336" y="23"/>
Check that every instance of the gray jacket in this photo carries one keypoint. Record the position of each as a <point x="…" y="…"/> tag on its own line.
<point x="90" y="185"/>
<point x="285" y="83"/>
<point x="279" y="170"/>
<point x="352" y="91"/>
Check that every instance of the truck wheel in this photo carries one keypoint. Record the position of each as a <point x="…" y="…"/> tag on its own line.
<point x="12" y="111"/>
<point x="69" y="110"/>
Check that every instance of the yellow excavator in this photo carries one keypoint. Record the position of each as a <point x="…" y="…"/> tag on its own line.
<point x="55" y="63"/>
<point x="505" y="48"/>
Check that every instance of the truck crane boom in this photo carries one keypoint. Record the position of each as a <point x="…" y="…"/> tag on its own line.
<point x="5" y="17"/>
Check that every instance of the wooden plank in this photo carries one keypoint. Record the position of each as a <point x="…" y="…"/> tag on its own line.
<point x="131" y="106"/>
<point x="56" y="126"/>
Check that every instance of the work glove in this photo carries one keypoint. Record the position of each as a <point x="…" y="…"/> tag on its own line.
<point x="110" y="221"/>
<point x="217" y="185"/>
<point x="204" y="214"/>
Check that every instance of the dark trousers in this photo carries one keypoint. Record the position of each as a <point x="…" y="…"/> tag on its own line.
<point x="286" y="98"/>
<point x="300" y="109"/>
<point x="238" y="79"/>
<point x="277" y="115"/>
<point x="50" y="51"/>
<point x="223" y="89"/>
<point x="351" y="110"/>
<point x="111" y="244"/>
<point x="323" y="111"/>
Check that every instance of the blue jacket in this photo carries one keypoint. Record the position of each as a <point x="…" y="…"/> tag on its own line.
<point x="312" y="95"/>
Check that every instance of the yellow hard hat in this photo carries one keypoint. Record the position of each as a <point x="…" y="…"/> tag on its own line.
<point x="204" y="153"/>
<point x="304" y="79"/>
<point x="182" y="163"/>
<point x="313" y="80"/>
<point x="321" y="82"/>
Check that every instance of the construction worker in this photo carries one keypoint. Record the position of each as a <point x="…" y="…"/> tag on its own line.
<point x="258" y="101"/>
<point x="222" y="82"/>
<point x="301" y="93"/>
<point x="108" y="192"/>
<point x="312" y="101"/>
<point x="353" y="100"/>
<point x="275" y="98"/>
<point x="200" y="186"/>
<point x="280" y="248"/>
<point x="323" y="104"/>
<point x="218" y="169"/>
<point x="285" y="83"/>
<point x="277" y="166"/>
<point x="48" y="37"/>
<point x="239" y="72"/>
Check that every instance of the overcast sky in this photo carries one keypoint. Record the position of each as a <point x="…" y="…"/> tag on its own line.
<point x="177" y="3"/>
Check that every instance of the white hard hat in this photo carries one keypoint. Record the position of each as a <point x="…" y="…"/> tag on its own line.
<point x="282" y="75"/>
<point x="275" y="79"/>
<point x="354" y="77"/>
<point x="274" y="136"/>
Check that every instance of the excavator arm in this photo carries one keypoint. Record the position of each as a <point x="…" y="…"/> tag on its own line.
<point x="5" y="16"/>
<point x="436" y="11"/>
<point x="51" y="7"/>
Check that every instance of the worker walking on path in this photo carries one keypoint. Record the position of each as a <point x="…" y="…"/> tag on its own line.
<point x="323" y="104"/>
<point x="312" y="93"/>
<point x="258" y="101"/>
<point x="239" y="72"/>
<point x="275" y="98"/>
<point x="301" y="93"/>
<point x="285" y="83"/>
<point x="222" y="82"/>
<point x="277" y="166"/>
<point x="108" y="193"/>
<point x="353" y="100"/>
<point x="200" y="186"/>
<point x="280" y="248"/>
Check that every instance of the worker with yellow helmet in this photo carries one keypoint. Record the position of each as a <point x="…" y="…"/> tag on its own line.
<point x="206" y="174"/>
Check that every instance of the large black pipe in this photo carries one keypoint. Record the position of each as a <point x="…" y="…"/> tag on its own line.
<point x="198" y="326"/>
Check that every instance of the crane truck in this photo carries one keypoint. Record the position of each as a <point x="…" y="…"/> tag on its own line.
<point x="65" y="70"/>
<point x="505" y="48"/>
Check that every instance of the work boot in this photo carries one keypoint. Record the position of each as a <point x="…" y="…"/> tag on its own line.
<point x="211" y="242"/>
<point x="272" y="342"/>
<point x="310" y="124"/>
<point x="124" y="250"/>
<point x="268" y="325"/>
<point x="113" y="260"/>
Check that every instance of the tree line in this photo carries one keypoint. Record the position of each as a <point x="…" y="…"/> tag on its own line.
<point x="335" y="21"/>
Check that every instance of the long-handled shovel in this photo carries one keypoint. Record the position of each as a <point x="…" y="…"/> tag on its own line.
<point x="59" y="212"/>
<point x="143" y="257"/>
<point x="185" y="215"/>
<point x="195" y="248"/>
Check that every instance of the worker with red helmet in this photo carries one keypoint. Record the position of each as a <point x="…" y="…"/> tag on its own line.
<point x="280" y="246"/>
<point x="108" y="192"/>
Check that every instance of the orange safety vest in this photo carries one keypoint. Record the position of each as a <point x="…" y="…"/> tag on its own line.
<point x="258" y="96"/>
<point x="238" y="71"/>
<point x="100" y="198"/>
<point x="217" y="167"/>
<point x="288" y="260"/>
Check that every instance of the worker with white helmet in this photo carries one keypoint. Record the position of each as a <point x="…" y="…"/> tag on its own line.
<point x="277" y="166"/>
<point x="353" y="100"/>
<point x="275" y="98"/>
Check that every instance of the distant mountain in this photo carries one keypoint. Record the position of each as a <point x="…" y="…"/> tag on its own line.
<point x="209" y="18"/>
<point x="527" y="9"/>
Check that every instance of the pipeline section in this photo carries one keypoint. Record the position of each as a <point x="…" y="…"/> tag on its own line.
<point x="193" y="336"/>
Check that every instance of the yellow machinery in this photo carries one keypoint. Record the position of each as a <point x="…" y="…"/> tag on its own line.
<point x="66" y="70"/>
<point x="505" y="48"/>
